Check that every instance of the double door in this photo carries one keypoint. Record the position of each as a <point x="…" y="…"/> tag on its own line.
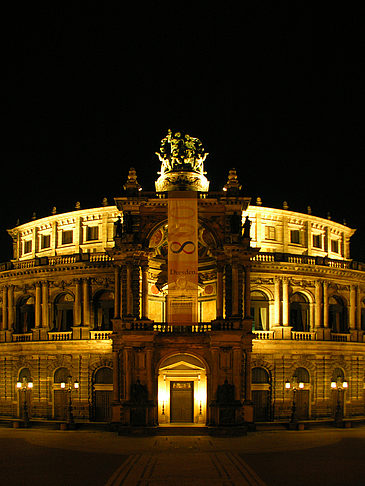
<point x="181" y="401"/>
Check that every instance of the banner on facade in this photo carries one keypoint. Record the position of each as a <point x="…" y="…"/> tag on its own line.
<point x="182" y="300"/>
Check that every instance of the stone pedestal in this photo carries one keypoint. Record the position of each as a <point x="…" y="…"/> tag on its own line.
<point x="323" y="334"/>
<point x="81" y="332"/>
<point x="282" y="332"/>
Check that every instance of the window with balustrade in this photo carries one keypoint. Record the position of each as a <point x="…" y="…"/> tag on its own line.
<point x="259" y="311"/>
<point x="299" y="312"/>
<point x="337" y="314"/>
<point x="103" y="311"/>
<point x="63" y="312"/>
<point x="25" y="315"/>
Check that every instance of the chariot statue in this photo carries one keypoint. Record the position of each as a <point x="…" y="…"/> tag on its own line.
<point x="181" y="153"/>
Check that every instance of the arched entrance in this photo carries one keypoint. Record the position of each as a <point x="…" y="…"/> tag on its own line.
<point x="102" y="394"/>
<point x="182" y="390"/>
<point x="261" y="394"/>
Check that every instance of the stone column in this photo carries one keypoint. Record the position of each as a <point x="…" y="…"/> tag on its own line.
<point x="219" y="292"/>
<point x="11" y="321"/>
<point x="247" y="303"/>
<point x="277" y="301"/>
<point x="45" y="310"/>
<point x="318" y="305"/>
<point x="77" y="302"/>
<point x="144" y="313"/>
<point x="149" y="367"/>
<point x="237" y="357"/>
<point x="248" y="377"/>
<point x="117" y="293"/>
<point x="325" y="305"/>
<point x="86" y="302"/>
<point x="285" y="302"/>
<point x="352" y="320"/>
<point x="38" y="304"/>
<point x="235" y="289"/>
<point x="116" y="393"/>
<point x="5" y="309"/>
<point x="129" y="290"/>
<point x="127" y="372"/>
<point x="358" y="309"/>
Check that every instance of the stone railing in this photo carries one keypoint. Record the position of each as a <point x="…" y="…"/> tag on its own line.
<point x="263" y="335"/>
<point x="56" y="260"/>
<point x="166" y="328"/>
<point x="340" y="337"/>
<point x="303" y="336"/>
<point x="60" y="336"/>
<point x="268" y="257"/>
<point x="102" y="335"/>
<point x="21" y="338"/>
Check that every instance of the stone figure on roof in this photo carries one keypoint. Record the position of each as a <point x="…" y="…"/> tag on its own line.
<point x="179" y="152"/>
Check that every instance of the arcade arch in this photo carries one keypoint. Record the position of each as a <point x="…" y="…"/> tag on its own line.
<point x="182" y="390"/>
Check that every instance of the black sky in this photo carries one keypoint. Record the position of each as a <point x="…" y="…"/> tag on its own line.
<point x="276" y="92"/>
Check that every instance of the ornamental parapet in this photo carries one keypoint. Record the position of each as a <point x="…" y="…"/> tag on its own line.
<point x="269" y="257"/>
<point x="58" y="260"/>
<point x="163" y="328"/>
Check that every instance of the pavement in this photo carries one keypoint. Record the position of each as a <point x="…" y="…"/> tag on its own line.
<point x="324" y="456"/>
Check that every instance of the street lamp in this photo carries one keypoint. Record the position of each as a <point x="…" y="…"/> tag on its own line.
<point x="68" y="387"/>
<point x="294" y="385"/>
<point x="23" y="387"/>
<point x="340" y="386"/>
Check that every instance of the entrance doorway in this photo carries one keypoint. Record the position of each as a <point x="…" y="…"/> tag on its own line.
<point x="181" y="401"/>
<point x="182" y="390"/>
<point x="103" y="393"/>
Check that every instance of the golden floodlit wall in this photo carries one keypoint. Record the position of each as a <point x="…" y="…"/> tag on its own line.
<point x="64" y="288"/>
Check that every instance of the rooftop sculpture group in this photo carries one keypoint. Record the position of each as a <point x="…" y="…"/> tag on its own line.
<point x="179" y="152"/>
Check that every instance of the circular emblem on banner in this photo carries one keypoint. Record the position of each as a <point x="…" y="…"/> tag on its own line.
<point x="187" y="247"/>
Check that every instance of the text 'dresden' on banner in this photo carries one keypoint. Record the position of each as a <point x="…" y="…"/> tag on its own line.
<point x="182" y="300"/>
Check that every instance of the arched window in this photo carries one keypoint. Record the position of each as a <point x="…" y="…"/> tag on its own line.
<point x="338" y="375"/>
<point x="337" y="314"/>
<point x="260" y="375"/>
<point x="24" y="374"/>
<point x="63" y="311"/>
<point x="299" y="312"/>
<point x="363" y="315"/>
<point x="259" y="311"/>
<point x="103" y="311"/>
<point x="61" y="375"/>
<point x="301" y="375"/>
<point x="25" y="315"/>
<point x="103" y="376"/>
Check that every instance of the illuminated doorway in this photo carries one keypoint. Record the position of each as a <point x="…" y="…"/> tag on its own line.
<point x="182" y="390"/>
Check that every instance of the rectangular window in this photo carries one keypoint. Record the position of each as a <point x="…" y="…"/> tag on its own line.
<point x="92" y="233"/>
<point x="67" y="237"/>
<point x="317" y="241"/>
<point x="295" y="237"/>
<point x="27" y="246"/>
<point x="270" y="233"/>
<point x="45" y="241"/>
<point x="334" y="246"/>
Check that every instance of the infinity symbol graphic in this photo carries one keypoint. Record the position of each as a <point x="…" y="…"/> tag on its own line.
<point x="177" y="247"/>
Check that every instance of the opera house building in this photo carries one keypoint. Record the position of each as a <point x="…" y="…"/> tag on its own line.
<point x="182" y="306"/>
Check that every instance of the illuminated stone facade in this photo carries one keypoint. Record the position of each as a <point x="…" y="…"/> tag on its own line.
<point x="85" y="296"/>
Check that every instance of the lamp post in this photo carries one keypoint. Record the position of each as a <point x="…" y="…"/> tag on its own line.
<point x="294" y="385"/>
<point x="340" y="386"/>
<point x="68" y="387"/>
<point x="23" y="387"/>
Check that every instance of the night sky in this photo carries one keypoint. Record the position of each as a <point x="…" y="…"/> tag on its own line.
<point x="275" y="92"/>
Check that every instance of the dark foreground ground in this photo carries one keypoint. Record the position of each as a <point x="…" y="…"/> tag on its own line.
<point x="311" y="457"/>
